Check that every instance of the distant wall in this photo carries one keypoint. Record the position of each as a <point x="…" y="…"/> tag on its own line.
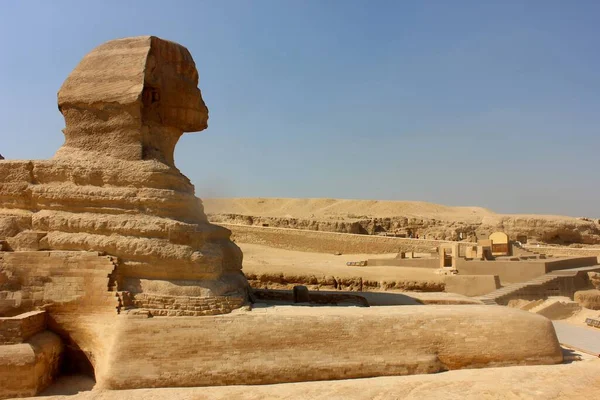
<point x="565" y="285"/>
<point x="328" y="242"/>
<point x="566" y="251"/>
<point x="572" y="262"/>
<point x="471" y="285"/>
<point x="404" y="262"/>
<point x="520" y="271"/>
<point x="507" y="271"/>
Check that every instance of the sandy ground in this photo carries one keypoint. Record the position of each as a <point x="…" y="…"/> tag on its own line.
<point x="580" y="317"/>
<point x="265" y="259"/>
<point x="259" y="259"/>
<point x="576" y="380"/>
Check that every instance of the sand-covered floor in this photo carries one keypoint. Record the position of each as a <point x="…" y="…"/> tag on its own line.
<point x="265" y="259"/>
<point x="577" y="380"/>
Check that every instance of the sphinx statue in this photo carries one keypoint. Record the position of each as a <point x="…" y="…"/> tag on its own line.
<point x="110" y="246"/>
<point x="113" y="186"/>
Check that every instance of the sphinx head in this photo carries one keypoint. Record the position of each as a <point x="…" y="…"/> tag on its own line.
<point x="131" y="99"/>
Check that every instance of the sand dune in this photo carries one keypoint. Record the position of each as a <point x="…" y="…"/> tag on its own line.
<point x="316" y="208"/>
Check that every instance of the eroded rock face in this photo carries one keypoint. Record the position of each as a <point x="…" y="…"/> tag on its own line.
<point x="113" y="186"/>
<point x="371" y="217"/>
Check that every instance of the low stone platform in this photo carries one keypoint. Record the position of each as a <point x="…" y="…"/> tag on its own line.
<point x="294" y="344"/>
<point x="29" y="367"/>
<point x="29" y="354"/>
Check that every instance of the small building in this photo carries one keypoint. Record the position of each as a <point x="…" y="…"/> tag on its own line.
<point x="500" y="244"/>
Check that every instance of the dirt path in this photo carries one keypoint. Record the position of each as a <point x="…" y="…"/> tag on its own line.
<point x="584" y="338"/>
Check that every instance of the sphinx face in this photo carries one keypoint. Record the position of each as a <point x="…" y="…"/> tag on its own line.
<point x="131" y="99"/>
<point x="171" y="96"/>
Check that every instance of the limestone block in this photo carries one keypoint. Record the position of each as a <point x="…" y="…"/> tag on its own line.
<point x="28" y="368"/>
<point x="28" y="241"/>
<point x="301" y="294"/>
<point x="588" y="298"/>
<point x="557" y="308"/>
<point x="293" y="344"/>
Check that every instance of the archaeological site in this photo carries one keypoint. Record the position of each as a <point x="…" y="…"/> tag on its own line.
<point x="116" y="281"/>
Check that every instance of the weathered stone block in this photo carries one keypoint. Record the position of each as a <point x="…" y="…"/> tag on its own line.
<point x="588" y="298"/>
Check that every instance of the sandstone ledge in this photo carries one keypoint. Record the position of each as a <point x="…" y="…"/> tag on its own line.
<point x="293" y="344"/>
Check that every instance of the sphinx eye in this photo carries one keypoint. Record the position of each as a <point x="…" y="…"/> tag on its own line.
<point x="150" y="95"/>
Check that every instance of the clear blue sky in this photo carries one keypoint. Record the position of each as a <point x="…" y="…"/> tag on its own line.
<point x="487" y="103"/>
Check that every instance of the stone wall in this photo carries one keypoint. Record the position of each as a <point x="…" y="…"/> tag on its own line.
<point x="169" y="306"/>
<point x="520" y="271"/>
<point x="471" y="285"/>
<point x="566" y="251"/>
<point x="431" y="263"/>
<point x="59" y="279"/>
<point x="21" y="327"/>
<point x="556" y="285"/>
<point x="329" y="242"/>
<point x="279" y="280"/>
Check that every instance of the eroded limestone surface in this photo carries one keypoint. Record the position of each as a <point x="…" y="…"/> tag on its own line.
<point x="113" y="186"/>
<point x="295" y="344"/>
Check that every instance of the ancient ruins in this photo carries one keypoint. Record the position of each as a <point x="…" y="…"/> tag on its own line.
<point x="109" y="266"/>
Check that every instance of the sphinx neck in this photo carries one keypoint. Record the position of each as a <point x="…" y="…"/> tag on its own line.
<point x="93" y="133"/>
<point x="158" y="143"/>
